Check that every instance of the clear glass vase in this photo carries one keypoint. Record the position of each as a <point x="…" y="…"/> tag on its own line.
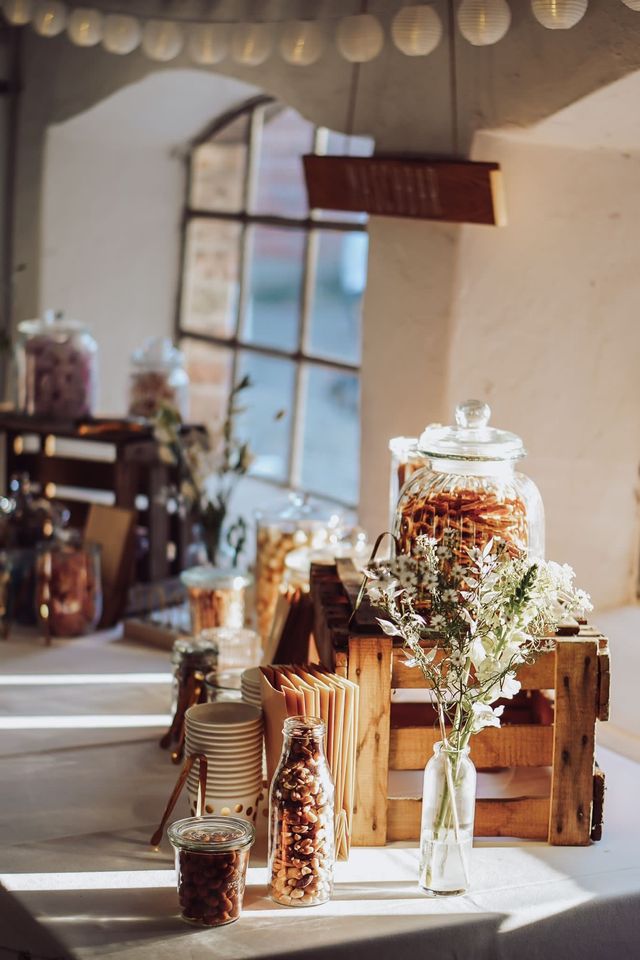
<point x="448" y="808"/>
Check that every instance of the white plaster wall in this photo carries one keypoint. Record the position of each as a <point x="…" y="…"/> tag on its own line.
<point x="545" y="329"/>
<point x="404" y="345"/>
<point x="110" y="247"/>
<point x="113" y="195"/>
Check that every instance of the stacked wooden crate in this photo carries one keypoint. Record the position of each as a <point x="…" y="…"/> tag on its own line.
<point x="550" y="724"/>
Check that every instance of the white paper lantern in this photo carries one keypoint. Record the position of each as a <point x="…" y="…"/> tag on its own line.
<point x="84" y="27"/>
<point x="162" y="40"/>
<point x="49" y="19"/>
<point x="252" y="43"/>
<point x="416" y="30"/>
<point x="17" y="12"/>
<point x="559" y="14"/>
<point x="121" y="33"/>
<point x="302" y="42"/>
<point x="483" y="22"/>
<point x="360" y="38"/>
<point x="632" y="4"/>
<point x="208" y="43"/>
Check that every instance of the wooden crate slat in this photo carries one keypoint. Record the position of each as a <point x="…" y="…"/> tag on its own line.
<point x="518" y="745"/>
<point x="574" y="744"/>
<point x="370" y="667"/>
<point x="604" y="680"/>
<point x="523" y="817"/>
<point x="532" y="676"/>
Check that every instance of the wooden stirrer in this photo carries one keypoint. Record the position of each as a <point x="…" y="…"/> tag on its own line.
<point x="180" y="782"/>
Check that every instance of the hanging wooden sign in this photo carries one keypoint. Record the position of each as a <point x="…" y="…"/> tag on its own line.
<point x="457" y="191"/>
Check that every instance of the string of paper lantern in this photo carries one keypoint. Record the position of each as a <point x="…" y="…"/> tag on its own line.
<point x="416" y="30"/>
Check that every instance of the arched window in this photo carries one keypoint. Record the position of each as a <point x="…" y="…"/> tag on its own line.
<point x="274" y="290"/>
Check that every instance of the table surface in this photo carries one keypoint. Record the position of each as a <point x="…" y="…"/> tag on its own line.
<point x="84" y="784"/>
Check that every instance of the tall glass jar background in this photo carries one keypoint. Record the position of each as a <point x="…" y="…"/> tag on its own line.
<point x="301" y="818"/>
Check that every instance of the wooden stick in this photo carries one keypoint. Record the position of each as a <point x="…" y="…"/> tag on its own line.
<point x="177" y="790"/>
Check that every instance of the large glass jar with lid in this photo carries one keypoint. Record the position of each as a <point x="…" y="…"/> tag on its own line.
<point x="298" y="522"/>
<point x="471" y="485"/>
<point x="57" y="368"/>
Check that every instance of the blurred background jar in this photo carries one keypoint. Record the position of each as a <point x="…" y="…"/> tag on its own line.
<point x="158" y="376"/>
<point x="26" y="520"/>
<point x="57" y="368"/>
<point x="68" y="588"/>
<point x="217" y="597"/>
<point x="224" y="685"/>
<point x="191" y="656"/>
<point x="471" y="486"/>
<point x="238" y="648"/>
<point x="296" y="522"/>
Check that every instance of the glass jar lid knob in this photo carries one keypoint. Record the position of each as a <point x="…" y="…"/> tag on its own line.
<point x="473" y="414"/>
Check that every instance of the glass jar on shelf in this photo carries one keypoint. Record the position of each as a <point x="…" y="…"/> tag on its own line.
<point x="299" y="522"/>
<point x="57" y="368"/>
<point x="158" y="376"/>
<point x="471" y="486"/>
<point x="301" y="825"/>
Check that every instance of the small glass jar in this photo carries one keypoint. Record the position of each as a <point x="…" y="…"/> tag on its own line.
<point x="212" y="855"/>
<point x="189" y="656"/>
<point x="216" y="597"/>
<point x="158" y="376"/>
<point x="223" y="685"/>
<point x="299" y="522"/>
<point x="238" y="647"/>
<point x="68" y="588"/>
<point x="301" y="825"/>
<point x="448" y="811"/>
<point x="57" y="368"/>
<point x="471" y="486"/>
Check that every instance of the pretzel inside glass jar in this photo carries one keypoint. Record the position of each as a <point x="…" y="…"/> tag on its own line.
<point x="470" y="485"/>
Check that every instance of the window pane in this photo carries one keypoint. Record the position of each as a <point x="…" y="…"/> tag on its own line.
<point x="286" y="136"/>
<point x="331" y="439"/>
<point x="340" y="279"/>
<point x="218" y="169"/>
<point x="272" y="310"/>
<point x="211" y="277"/>
<point x="209" y="371"/>
<point x="266" y="422"/>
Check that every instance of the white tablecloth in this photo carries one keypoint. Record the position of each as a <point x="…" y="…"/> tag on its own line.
<point x="84" y="783"/>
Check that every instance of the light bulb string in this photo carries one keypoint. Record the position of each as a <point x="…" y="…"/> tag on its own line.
<point x="390" y="5"/>
<point x="352" y="99"/>
<point x="453" y="80"/>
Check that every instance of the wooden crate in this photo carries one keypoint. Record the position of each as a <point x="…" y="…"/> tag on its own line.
<point x="551" y="723"/>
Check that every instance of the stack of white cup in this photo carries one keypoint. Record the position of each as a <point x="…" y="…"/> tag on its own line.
<point x="230" y="736"/>
<point x="250" y="686"/>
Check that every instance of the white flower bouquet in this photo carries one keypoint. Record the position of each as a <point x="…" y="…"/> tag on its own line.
<point x="468" y="627"/>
